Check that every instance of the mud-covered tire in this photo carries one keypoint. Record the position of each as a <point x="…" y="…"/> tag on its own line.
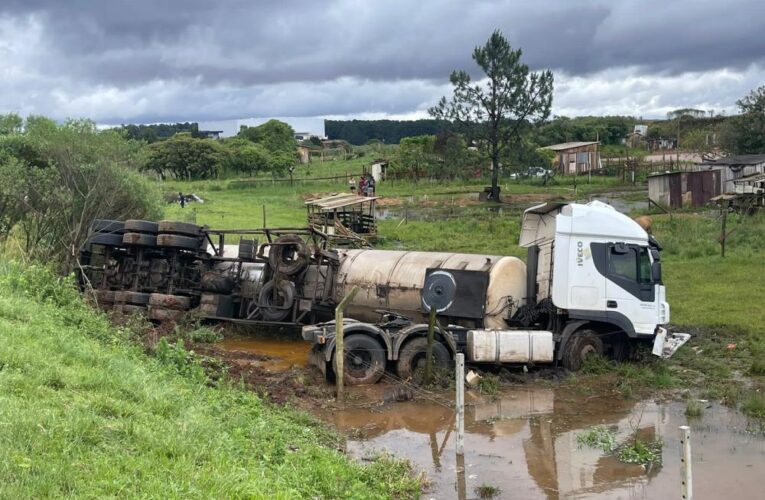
<point x="107" y="226"/>
<point x="141" y="226"/>
<point x="364" y="360"/>
<point x="217" y="283"/>
<point x="174" y="302"/>
<point x="290" y="245"/>
<point x="580" y="346"/>
<point x="162" y="315"/>
<point x="412" y="358"/>
<point x="106" y="239"/>
<point x="133" y="309"/>
<point x="104" y="297"/>
<point x="177" y="241"/>
<point x="280" y="308"/>
<point x="134" y="298"/>
<point x="139" y="239"/>
<point x="180" y="228"/>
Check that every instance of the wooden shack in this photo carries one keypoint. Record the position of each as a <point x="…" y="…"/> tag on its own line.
<point x="347" y="215"/>
<point x="683" y="189"/>
<point x="573" y="158"/>
<point x="732" y="168"/>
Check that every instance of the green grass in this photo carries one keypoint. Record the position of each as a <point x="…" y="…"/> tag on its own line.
<point x="84" y="412"/>
<point x="600" y="437"/>
<point x="694" y="409"/>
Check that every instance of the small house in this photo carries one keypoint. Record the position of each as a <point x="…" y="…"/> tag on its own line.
<point x="733" y="167"/>
<point x="683" y="189"/>
<point x="573" y="158"/>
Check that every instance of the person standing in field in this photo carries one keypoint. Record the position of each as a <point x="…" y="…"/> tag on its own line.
<point x="352" y="185"/>
<point x="181" y="199"/>
<point x="363" y="186"/>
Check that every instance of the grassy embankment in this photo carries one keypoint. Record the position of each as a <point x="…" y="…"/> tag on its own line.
<point x="717" y="298"/>
<point x="85" y="412"/>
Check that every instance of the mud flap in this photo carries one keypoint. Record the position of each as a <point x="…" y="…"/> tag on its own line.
<point x="665" y="345"/>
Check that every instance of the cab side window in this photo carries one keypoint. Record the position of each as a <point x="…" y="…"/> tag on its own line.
<point x="623" y="264"/>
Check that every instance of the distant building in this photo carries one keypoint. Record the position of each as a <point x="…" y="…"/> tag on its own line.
<point x="683" y="189"/>
<point x="210" y="134"/>
<point x="733" y="167"/>
<point x="640" y="129"/>
<point x="576" y="157"/>
<point x="307" y="136"/>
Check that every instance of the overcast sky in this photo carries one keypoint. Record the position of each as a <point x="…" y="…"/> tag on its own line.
<point x="224" y="62"/>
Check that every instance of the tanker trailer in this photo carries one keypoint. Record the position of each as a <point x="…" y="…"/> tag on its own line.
<point x="591" y="285"/>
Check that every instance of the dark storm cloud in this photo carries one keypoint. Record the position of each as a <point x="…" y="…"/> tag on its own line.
<point x="219" y="50"/>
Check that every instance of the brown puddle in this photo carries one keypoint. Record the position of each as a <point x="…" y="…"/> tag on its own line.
<point x="525" y="443"/>
<point x="278" y="354"/>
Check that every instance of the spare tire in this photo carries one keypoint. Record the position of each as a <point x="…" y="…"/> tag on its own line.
<point x="182" y="228"/>
<point x="141" y="226"/>
<point x="139" y="239"/>
<point x="276" y="308"/>
<point x="106" y="239"/>
<point x="217" y="283"/>
<point x="176" y="241"/>
<point x="175" y="302"/>
<point x="288" y="254"/>
<point x="107" y="226"/>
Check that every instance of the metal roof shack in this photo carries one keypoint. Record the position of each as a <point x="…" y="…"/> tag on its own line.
<point x="734" y="167"/>
<point x="572" y="158"/>
<point x="347" y="214"/>
<point x="684" y="189"/>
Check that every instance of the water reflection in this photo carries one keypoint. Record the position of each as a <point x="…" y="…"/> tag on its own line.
<point x="525" y="443"/>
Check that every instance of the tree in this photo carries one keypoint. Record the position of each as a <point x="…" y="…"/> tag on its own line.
<point x="495" y="108"/>
<point x="416" y="155"/>
<point x="10" y="124"/>
<point x="244" y="156"/>
<point x="185" y="157"/>
<point x="745" y="133"/>
<point x="274" y="135"/>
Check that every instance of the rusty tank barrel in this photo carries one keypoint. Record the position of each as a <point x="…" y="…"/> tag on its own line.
<point x="393" y="280"/>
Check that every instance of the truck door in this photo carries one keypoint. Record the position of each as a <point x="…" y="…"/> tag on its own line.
<point x="630" y="291"/>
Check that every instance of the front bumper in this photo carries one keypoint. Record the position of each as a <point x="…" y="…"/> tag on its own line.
<point x="666" y="344"/>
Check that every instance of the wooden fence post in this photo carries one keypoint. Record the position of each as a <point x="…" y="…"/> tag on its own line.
<point x="429" y="347"/>
<point x="340" y="340"/>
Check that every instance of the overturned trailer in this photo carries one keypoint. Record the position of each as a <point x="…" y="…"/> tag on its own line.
<point x="591" y="285"/>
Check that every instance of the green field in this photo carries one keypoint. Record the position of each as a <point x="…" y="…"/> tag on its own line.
<point x="84" y="412"/>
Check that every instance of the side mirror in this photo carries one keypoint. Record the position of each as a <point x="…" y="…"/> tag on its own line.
<point x="656" y="272"/>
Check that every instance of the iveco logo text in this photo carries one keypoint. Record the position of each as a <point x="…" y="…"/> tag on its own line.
<point x="579" y="253"/>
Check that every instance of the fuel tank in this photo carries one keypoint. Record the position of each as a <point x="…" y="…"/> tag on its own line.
<point x="393" y="280"/>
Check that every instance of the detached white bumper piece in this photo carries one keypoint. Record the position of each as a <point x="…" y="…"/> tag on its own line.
<point x="665" y="345"/>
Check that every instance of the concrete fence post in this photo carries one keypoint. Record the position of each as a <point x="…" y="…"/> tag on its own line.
<point x="460" y="403"/>
<point x="686" y="473"/>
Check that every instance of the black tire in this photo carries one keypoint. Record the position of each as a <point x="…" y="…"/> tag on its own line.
<point x="107" y="226"/>
<point x="132" y="298"/>
<point x="181" y="228"/>
<point x="139" y="239"/>
<point x="247" y="249"/>
<point x="412" y="358"/>
<point x="276" y="310"/>
<point x="176" y="241"/>
<point x="173" y="302"/>
<point x="288" y="254"/>
<point x="364" y="360"/>
<point x="106" y="239"/>
<point x="581" y="345"/>
<point x="217" y="283"/>
<point x="105" y="296"/>
<point x="141" y="226"/>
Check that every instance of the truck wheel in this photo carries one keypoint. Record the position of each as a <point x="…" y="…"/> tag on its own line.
<point x="176" y="241"/>
<point x="141" y="226"/>
<point x="133" y="309"/>
<point x="174" y="302"/>
<point x="289" y="254"/>
<point x="107" y="226"/>
<point x="182" y="228"/>
<point x="161" y="314"/>
<point x="581" y="345"/>
<point x="279" y="308"/>
<point x="411" y="359"/>
<point x="107" y="239"/>
<point x="134" y="298"/>
<point x="364" y="360"/>
<point x="139" y="239"/>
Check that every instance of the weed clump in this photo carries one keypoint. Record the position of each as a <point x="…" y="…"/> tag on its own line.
<point x="486" y="491"/>
<point x="204" y="335"/>
<point x="758" y="367"/>
<point x="489" y="384"/>
<point x="596" y="365"/>
<point x="641" y="452"/>
<point x="598" y="437"/>
<point x="694" y="409"/>
<point x="754" y="406"/>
